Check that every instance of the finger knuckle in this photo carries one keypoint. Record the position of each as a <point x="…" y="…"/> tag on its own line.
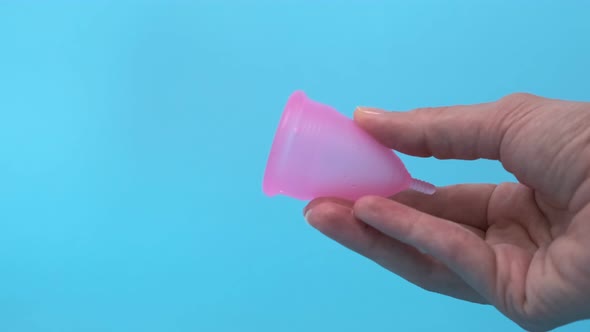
<point x="515" y="100"/>
<point x="436" y="134"/>
<point x="510" y="114"/>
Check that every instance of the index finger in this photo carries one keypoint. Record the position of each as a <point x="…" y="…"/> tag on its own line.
<point x="453" y="132"/>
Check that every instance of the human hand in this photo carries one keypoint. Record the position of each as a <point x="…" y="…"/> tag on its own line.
<point x="521" y="247"/>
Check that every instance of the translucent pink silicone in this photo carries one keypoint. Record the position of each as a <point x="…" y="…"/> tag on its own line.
<point x="318" y="152"/>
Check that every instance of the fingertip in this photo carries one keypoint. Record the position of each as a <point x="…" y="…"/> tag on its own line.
<point x="396" y="130"/>
<point x="326" y="215"/>
<point x="369" y="118"/>
<point x="322" y="200"/>
<point x="367" y="111"/>
<point x="365" y="202"/>
<point x="368" y="206"/>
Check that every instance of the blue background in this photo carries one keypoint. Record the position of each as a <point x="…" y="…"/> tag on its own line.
<point x="134" y="135"/>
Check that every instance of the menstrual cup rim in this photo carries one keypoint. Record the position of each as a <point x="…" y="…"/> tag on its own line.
<point x="279" y="144"/>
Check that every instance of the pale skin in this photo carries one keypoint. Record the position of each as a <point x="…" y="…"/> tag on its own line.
<point x="522" y="247"/>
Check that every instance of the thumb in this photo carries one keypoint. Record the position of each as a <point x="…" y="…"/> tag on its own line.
<point x="454" y="132"/>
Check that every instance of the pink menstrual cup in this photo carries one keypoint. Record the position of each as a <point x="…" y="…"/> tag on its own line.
<point x="318" y="152"/>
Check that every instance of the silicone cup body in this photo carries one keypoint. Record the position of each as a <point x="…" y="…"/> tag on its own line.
<point x="318" y="152"/>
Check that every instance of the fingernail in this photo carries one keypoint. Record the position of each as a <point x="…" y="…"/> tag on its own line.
<point x="307" y="214"/>
<point x="370" y="110"/>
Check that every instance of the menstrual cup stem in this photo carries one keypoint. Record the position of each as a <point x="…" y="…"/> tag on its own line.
<point x="422" y="186"/>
